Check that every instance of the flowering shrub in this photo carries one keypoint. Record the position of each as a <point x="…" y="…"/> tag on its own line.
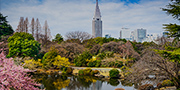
<point x="13" y="76"/>
<point x="32" y="64"/>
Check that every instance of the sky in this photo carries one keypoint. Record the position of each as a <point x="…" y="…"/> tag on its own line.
<point x="65" y="16"/>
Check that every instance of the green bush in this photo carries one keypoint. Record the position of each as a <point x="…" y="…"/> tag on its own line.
<point x="167" y="83"/>
<point x="81" y="59"/>
<point x="88" y="72"/>
<point x="81" y="72"/>
<point x="114" y="73"/>
<point x="98" y="63"/>
<point x="49" y="58"/>
<point x="22" y="44"/>
<point x="91" y="64"/>
<point x="146" y="87"/>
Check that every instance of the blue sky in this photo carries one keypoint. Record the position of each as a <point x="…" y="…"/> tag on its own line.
<point x="76" y="15"/>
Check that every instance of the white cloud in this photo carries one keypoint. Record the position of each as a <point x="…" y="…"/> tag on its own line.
<point x="64" y="16"/>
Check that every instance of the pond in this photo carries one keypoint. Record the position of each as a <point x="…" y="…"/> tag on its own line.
<point x="64" y="82"/>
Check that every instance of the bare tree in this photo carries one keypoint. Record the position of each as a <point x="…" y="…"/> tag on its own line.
<point x="78" y="35"/>
<point x="32" y="27"/>
<point x="127" y="50"/>
<point x="47" y="35"/>
<point x="26" y="24"/>
<point x="20" y="27"/>
<point x="152" y="63"/>
<point x="37" y="29"/>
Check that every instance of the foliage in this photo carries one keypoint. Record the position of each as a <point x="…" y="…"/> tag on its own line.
<point x="146" y="87"/>
<point x="49" y="57"/>
<point x="173" y="56"/>
<point x="58" y="38"/>
<point x="100" y="40"/>
<point x="173" y="9"/>
<point x="23" y="44"/>
<point x="173" y="30"/>
<point x="91" y="62"/>
<point x="114" y="73"/>
<point x="87" y="72"/>
<point x="13" y="76"/>
<point x="5" y="28"/>
<point x="71" y="50"/>
<point x="167" y="83"/>
<point x="52" y="60"/>
<point x="101" y="55"/>
<point x="33" y="64"/>
<point x="98" y="63"/>
<point x="61" y="61"/>
<point x="81" y="59"/>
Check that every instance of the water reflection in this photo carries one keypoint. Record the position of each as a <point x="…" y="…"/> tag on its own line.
<point x="64" y="82"/>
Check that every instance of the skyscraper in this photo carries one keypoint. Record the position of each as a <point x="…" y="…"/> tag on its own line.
<point x="125" y="33"/>
<point x="96" y="22"/>
<point x="139" y="35"/>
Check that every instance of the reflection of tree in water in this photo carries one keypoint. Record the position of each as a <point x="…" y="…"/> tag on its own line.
<point x="113" y="82"/>
<point x="53" y="82"/>
<point x="84" y="82"/>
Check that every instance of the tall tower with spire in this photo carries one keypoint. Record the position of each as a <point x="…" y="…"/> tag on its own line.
<point x="96" y="22"/>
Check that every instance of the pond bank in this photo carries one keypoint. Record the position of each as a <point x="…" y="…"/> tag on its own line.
<point x="103" y="71"/>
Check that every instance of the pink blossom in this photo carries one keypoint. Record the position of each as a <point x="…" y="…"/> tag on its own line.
<point x="13" y="76"/>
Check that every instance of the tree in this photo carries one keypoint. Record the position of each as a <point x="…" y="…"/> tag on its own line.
<point x="173" y="10"/>
<point x="13" y="76"/>
<point x="174" y="57"/>
<point x="20" y="27"/>
<point x="37" y="30"/>
<point x="26" y="25"/>
<point x="52" y="59"/>
<point x="5" y="28"/>
<point x="49" y="57"/>
<point x="161" y="65"/>
<point x="32" y="27"/>
<point x="61" y="61"/>
<point x="58" y="38"/>
<point x="81" y="59"/>
<point x="47" y="32"/>
<point x="22" y="44"/>
<point x="78" y="35"/>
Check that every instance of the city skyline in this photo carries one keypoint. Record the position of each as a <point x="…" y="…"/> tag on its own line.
<point x="65" y="16"/>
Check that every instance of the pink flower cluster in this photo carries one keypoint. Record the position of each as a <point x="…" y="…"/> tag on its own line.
<point x="13" y="76"/>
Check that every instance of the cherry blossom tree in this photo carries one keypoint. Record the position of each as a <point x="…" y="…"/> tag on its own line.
<point x="13" y="76"/>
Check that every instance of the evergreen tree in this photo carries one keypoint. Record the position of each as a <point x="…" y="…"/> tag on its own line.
<point x="5" y="28"/>
<point x="173" y="9"/>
